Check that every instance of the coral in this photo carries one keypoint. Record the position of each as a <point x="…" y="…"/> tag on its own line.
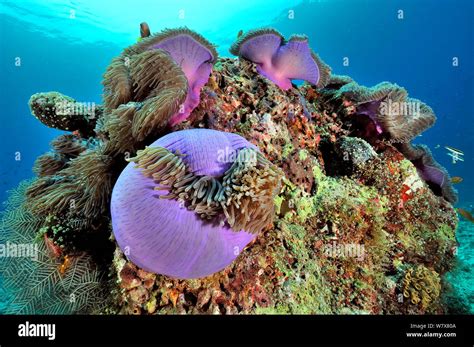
<point x="202" y="173"/>
<point x="282" y="61"/>
<point x="40" y="282"/>
<point x="421" y="286"/>
<point x="63" y="112"/>
<point x="356" y="150"/>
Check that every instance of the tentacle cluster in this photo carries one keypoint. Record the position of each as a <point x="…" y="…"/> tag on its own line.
<point x="65" y="148"/>
<point x="154" y="83"/>
<point x="244" y="194"/>
<point x="82" y="188"/>
<point x="389" y="106"/>
<point x="142" y="96"/>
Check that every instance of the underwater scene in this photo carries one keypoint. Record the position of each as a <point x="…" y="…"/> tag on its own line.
<point x="236" y="157"/>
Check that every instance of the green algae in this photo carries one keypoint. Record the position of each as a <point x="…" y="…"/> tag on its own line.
<point x="303" y="154"/>
<point x="287" y="150"/>
<point x="305" y="289"/>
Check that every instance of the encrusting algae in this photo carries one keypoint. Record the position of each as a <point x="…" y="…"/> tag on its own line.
<point x="333" y="216"/>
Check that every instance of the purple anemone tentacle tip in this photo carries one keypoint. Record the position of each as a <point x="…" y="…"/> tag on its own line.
<point x="174" y="209"/>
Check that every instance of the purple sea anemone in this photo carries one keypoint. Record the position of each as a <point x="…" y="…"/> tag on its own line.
<point x="388" y="109"/>
<point x="281" y="61"/>
<point x="189" y="203"/>
<point x="156" y="82"/>
<point x="435" y="176"/>
<point x="195" y="55"/>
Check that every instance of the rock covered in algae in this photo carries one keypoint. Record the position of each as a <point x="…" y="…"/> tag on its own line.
<point x="353" y="217"/>
<point x="63" y="112"/>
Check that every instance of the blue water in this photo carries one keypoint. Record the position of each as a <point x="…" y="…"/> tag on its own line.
<point x="67" y="45"/>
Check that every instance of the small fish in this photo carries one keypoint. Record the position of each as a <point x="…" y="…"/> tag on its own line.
<point x="455" y="150"/>
<point x="65" y="265"/>
<point x="456" y="179"/>
<point x="240" y="33"/>
<point x="144" y="30"/>
<point x="454" y="153"/>
<point x="437" y="146"/>
<point x="466" y="214"/>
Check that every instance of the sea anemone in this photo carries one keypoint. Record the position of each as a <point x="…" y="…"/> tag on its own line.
<point x="189" y="203"/>
<point x="116" y="126"/>
<point x="194" y="54"/>
<point x="59" y="111"/>
<point x="282" y="61"/>
<point x="154" y="82"/>
<point x="389" y="109"/>
<point x="160" y="83"/>
<point x="432" y="172"/>
<point x="337" y="81"/>
<point x="144" y="71"/>
<point x="48" y="164"/>
<point x="81" y="189"/>
<point x="386" y="112"/>
<point x="68" y="145"/>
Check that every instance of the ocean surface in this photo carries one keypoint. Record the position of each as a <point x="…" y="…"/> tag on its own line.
<point x="425" y="46"/>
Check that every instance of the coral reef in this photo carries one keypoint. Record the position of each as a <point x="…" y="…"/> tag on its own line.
<point x="385" y="113"/>
<point x="339" y="212"/>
